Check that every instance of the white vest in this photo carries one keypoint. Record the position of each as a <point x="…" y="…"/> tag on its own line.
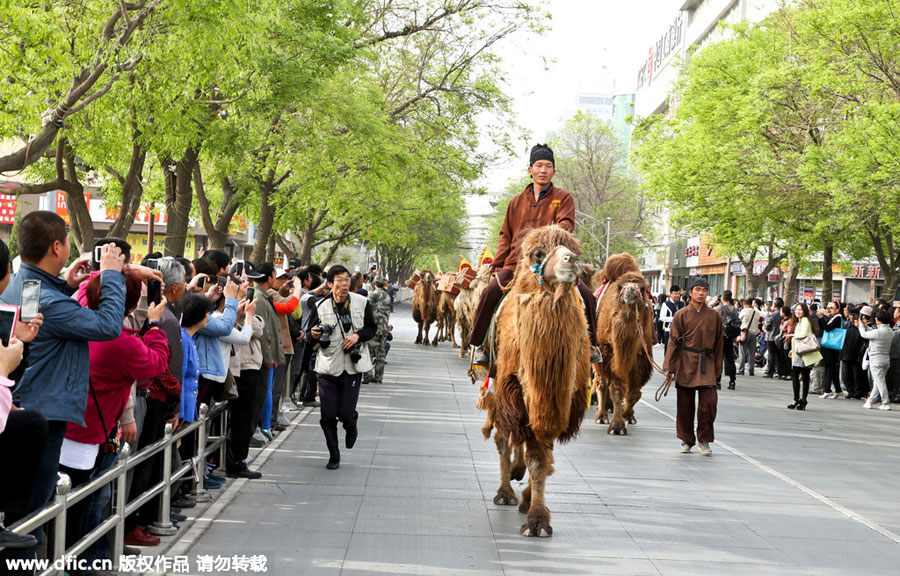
<point x="333" y="360"/>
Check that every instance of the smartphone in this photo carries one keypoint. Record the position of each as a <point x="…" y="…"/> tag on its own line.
<point x="201" y="283"/>
<point x="154" y="291"/>
<point x="31" y="299"/>
<point x="97" y="253"/>
<point x="222" y="281"/>
<point x="251" y="292"/>
<point x="238" y="268"/>
<point x="153" y="264"/>
<point x="8" y="316"/>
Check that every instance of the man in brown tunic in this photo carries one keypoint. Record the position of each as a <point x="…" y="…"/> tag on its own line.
<point x="694" y="359"/>
<point x="540" y="204"/>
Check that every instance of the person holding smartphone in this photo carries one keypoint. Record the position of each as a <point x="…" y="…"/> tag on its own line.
<point x="56" y="379"/>
<point x="22" y="432"/>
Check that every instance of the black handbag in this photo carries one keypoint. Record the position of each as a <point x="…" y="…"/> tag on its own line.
<point x="111" y="444"/>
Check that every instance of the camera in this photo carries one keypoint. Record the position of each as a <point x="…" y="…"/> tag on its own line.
<point x="355" y="353"/>
<point x="325" y="338"/>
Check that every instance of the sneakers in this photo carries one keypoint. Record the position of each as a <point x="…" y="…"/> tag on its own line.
<point x="256" y="442"/>
<point x="835" y="395"/>
<point x="283" y="421"/>
<point x="825" y="395"/>
<point x="140" y="537"/>
<point x="704" y="448"/>
<point x="868" y="405"/>
<point x="313" y="404"/>
<point x="885" y="407"/>
<point x="9" y="539"/>
<point x="685" y="448"/>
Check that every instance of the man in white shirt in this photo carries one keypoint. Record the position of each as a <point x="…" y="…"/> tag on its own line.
<point x="749" y="330"/>
<point x="672" y="305"/>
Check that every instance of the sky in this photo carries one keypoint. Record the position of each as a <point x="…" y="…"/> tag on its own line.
<point x="589" y="42"/>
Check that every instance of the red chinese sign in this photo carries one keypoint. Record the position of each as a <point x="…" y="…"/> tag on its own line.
<point x="63" y="210"/>
<point x="868" y="271"/>
<point x="8" y="204"/>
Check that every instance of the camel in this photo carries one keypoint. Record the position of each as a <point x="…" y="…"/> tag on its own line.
<point x="543" y="367"/>
<point x="467" y="302"/>
<point x="446" y="316"/>
<point x="624" y="332"/>
<point x="425" y="305"/>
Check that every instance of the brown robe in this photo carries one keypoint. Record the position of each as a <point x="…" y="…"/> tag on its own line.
<point x="524" y="213"/>
<point x="695" y="339"/>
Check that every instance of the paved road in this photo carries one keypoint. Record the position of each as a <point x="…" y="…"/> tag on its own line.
<point x="785" y="492"/>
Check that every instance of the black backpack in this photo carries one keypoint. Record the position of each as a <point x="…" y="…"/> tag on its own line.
<point x="731" y="327"/>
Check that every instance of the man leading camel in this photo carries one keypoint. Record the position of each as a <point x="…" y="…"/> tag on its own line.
<point x="694" y="360"/>
<point x="540" y="204"/>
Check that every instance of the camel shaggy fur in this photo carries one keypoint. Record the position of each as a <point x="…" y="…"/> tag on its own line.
<point x="543" y="366"/>
<point x="467" y="303"/>
<point x="624" y="332"/>
<point x="446" y="316"/>
<point x="425" y="305"/>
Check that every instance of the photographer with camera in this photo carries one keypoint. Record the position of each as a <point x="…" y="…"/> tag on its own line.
<point x="340" y="325"/>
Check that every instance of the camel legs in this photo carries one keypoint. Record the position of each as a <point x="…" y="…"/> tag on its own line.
<point x="517" y="472"/>
<point x="617" y="425"/>
<point x="603" y="401"/>
<point x="433" y="342"/>
<point x="506" y="496"/>
<point x="539" y="458"/>
<point x="631" y="399"/>
<point x="419" y="336"/>
<point x="463" y="338"/>
<point x="451" y="327"/>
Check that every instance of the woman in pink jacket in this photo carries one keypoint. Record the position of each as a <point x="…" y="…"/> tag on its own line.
<point x="114" y="366"/>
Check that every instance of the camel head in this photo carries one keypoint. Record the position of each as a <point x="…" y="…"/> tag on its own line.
<point x="630" y="288"/>
<point x="427" y="277"/>
<point x="550" y="254"/>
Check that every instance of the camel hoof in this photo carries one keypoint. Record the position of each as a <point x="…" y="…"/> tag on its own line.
<point x="419" y="340"/>
<point x="456" y="345"/>
<point x="505" y="499"/>
<point x="618" y="430"/>
<point x="435" y="343"/>
<point x="538" y="529"/>
<point x="632" y="420"/>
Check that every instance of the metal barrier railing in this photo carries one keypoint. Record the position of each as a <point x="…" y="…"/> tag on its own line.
<point x="65" y="497"/>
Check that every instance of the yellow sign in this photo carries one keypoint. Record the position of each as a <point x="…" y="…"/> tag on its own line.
<point x="139" y="246"/>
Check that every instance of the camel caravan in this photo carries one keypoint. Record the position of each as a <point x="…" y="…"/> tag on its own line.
<point x="538" y="388"/>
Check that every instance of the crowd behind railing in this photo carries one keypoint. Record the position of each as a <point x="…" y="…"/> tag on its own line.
<point x="106" y="372"/>
<point x="851" y="350"/>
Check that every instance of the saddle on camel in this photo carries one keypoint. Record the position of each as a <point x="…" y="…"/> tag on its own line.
<point x="543" y="370"/>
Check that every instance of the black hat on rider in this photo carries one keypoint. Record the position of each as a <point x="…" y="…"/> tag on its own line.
<point x="541" y="152"/>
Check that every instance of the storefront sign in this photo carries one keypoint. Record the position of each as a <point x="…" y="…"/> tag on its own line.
<point x="662" y="52"/>
<point x="8" y="204"/>
<point x="867" y="271"/>
<point x="63" y="210"/>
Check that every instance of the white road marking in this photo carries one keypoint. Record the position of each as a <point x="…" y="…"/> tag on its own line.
<point x="798" y="485"/>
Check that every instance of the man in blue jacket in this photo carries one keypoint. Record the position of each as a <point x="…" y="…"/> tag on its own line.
<point x="56" y="379"/>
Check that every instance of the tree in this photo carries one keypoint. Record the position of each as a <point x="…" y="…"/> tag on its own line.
<point x="590" y="164"/>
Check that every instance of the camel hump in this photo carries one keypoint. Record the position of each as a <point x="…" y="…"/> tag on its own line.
<point x="618" y="265"/>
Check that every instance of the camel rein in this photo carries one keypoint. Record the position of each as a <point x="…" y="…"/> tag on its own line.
<point x="663" y="390"/>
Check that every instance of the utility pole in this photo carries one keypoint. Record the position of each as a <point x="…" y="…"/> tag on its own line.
<point x="607" y="239"/>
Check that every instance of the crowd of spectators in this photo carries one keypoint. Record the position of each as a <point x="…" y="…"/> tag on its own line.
<point x="861" y="361"/>
<point x="119" y="350"/>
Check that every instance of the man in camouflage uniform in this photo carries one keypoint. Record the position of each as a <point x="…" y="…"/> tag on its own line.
<point x="381" y="306"/>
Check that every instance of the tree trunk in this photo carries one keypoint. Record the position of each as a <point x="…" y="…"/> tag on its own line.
<point x="264" y="226"/>
<point x="132" y="193"/>
<point x="79" y="215"/>
<point x="888" y="258"/>
<point x="827" y="272"/>
<point x="179" y="198"/>
<point x="790" y="290"/>
<point x="330" y="254"/>
<point x="270" y="250"/>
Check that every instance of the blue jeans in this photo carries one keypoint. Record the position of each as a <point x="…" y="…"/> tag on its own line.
<point x="266" y="423"/>
<point x="94" y="505"/>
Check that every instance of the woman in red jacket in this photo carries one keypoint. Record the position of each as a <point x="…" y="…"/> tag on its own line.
<point x="114" y="366"/>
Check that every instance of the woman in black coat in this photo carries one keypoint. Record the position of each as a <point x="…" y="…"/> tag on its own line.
<point x="831" y="359"/>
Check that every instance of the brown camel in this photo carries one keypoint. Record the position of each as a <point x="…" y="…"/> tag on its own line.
<point x="543" y="366"/>
<point x="425" y="304"/>
<point x="467" y="302"/>
<point x="624" y="332"/>
<point x="447" y="318"/>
